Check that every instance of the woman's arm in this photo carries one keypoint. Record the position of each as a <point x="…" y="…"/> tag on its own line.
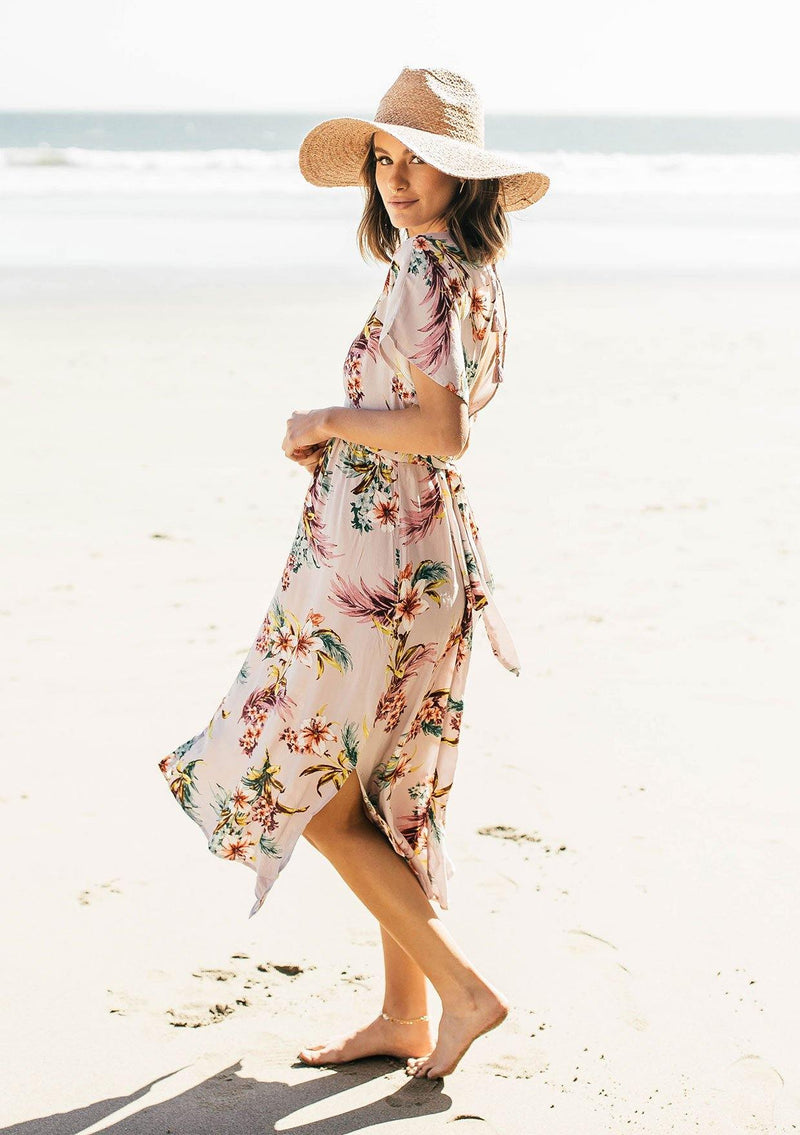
<point x="439" y="425"/>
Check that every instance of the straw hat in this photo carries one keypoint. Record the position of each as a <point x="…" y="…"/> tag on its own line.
<point x="437" y="114"/>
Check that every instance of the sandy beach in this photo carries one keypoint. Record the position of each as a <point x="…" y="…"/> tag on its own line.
<point x="630" y="882"/>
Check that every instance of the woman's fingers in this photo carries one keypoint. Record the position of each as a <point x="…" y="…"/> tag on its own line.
<point x="309" y="460"/>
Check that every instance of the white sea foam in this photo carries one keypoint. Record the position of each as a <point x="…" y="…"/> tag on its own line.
<point x="603" y="213"/>
<point x="53" y="170"/>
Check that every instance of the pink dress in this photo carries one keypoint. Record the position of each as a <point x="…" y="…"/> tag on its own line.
<point x="360" y="662"/>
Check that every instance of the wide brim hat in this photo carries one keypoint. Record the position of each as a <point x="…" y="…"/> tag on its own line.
<point x="439" y="116"/>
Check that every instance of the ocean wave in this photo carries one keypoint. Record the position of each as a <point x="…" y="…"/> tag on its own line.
<point x="73" y="168"/>
<point x="75" y="156"/>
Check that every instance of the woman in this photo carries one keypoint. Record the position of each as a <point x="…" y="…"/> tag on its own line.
<point x="360" y="664"/>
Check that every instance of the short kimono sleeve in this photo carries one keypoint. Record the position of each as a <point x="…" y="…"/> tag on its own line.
<point x="424" y="319"/>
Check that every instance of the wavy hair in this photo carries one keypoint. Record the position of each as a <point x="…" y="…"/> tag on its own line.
<point x="475" y="218"/>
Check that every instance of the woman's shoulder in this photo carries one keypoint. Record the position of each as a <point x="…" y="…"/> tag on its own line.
<point x="438" y="246"/>
<point x="438" y="257"/>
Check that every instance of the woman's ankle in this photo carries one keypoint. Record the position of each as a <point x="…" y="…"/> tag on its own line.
<point x="468" y="995"/>
<point x="405" y="1013"/>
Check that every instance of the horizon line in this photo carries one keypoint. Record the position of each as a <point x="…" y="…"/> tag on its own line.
<point x="324" y="115"/>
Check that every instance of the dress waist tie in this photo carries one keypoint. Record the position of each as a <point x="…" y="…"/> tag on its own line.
<point x="472" y="558"/>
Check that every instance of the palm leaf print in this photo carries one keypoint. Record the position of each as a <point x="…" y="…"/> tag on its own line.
<point x="358" y="461"/>
<point x="433" y="573"/>
<point x="368" y="339"/>
<point x="183" y="786"/>
<point x="320" y="548"/>
<point x="332" y="650"/>
<point x="374" y="476"/>
<point x="311" y="545"/>
<point x="230" y="818"/>
<point x="418" y="521"/>
<point x="263" y="701"/>
<point x="264" y="779"/>
<point x="329" y="773"/>
<point x="366" y="342"/>
<point x="350" y="742"/>
<point x="408" y="660"/>
<point x="402" y="666"/>
<point x="365" y="604"/>
<point x="263" y="782"/>
<point x="430" y="260"/>
<point x="269" y="846"/>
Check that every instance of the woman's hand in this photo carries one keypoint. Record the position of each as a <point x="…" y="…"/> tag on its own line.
<point x="308" y="456"/>
<point x="304" y="432"/>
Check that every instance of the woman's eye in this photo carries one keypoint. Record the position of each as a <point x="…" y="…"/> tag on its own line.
<point x="385" y="158"/>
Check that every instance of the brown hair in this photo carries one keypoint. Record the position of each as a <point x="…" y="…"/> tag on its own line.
<point x="475" y="218"/>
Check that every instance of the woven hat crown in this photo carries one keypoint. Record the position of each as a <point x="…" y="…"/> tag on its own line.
<point x="434" y="100"/>
<point x="435" y="113"/>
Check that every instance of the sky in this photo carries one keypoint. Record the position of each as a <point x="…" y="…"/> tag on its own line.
<point x="571" y="56"/>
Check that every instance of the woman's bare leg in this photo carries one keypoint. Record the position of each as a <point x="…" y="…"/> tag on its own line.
<point x="405" y="996"/>
<point x="386" y="885"/>
<point x="405" y="985"/>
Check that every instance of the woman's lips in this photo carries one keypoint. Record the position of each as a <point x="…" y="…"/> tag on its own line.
<point x="401" y="204"/>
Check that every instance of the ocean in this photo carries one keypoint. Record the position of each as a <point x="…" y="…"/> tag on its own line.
<point x="628" y="194"/>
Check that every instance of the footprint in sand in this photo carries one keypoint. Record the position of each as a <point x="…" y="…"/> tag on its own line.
<point x="289" y="970"/>
<point x="505" y="831"/>
<point x="99" y="891"/>
<point x="510" y="1068"/>
<point x="199" y="1013"/>
<point x="195" y="1015"/>
<point x="215" y="974"/>
<point x="599" y="954"/>
<point x="741" y="1099"/>
<point x="515" y="835"/>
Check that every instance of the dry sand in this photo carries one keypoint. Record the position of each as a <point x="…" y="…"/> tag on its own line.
<point x="625" y="818"/>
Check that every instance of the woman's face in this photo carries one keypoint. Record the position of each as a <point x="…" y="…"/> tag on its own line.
<point x="415" y="195"/>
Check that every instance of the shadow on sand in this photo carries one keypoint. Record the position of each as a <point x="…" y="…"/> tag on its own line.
<point x="228" y="1104"/>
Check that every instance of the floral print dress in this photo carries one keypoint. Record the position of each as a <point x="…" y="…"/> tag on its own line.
<point x="360" y="663"/>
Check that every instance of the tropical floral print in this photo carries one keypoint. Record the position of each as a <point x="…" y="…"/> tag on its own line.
<point x="360" y="663"/>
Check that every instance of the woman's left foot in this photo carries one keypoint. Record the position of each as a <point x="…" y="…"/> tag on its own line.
<point x="379" y="1038"/>
<point x="459" y="1026"/>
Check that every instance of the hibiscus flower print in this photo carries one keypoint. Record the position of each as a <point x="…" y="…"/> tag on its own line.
<point x="386" y="510"/>
<point x="281" y="642"/>
<point x="314" y="735"/>
<point x="481" y="309"/>
<point x="410" y="602"/>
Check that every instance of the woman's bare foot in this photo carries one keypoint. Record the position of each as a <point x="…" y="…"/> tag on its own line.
<point x="379" y="1038"/>
<point x="461" y="1023"/>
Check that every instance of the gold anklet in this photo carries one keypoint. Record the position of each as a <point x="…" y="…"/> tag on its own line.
<point x="403" y="1020"/>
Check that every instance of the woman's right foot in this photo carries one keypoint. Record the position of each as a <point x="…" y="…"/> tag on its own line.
<point x="379" y="1038"/>
<point x="461" y="1023"/>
